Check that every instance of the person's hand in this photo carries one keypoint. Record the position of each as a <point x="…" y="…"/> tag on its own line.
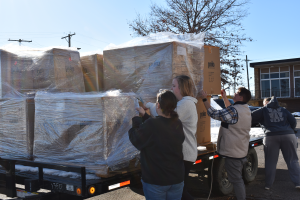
<point x="202" y="94"/>
<point x="144" y="107"/>
<point x="141" y="111"/>
<point x="223" y="94"/>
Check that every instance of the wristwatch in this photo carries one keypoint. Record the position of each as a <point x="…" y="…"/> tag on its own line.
<point x="205" y="99"/>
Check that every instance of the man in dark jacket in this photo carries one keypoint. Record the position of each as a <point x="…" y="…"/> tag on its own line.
<point x="278" y="125"/>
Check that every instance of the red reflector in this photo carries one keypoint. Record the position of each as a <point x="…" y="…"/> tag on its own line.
<point x="198" y="161"/>
<point x="255" y="144"/>
<point x="124" y="183"/>
<point x="216" y="156"/>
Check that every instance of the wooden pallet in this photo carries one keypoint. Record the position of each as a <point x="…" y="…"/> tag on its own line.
<point x="132" y="167"/>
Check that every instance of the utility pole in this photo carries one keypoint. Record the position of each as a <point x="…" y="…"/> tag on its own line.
<point x="20" y="40"/>
<point x="69" y="38"/>
<point x="247" y="72"/>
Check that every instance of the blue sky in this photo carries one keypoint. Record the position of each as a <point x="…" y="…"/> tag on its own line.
<point x="273" y="24"/>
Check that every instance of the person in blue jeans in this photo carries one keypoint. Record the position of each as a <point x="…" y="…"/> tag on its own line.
<point x="160" y="142"/>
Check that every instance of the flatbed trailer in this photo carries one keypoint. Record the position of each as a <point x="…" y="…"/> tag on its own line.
<point x="208" y="164"/>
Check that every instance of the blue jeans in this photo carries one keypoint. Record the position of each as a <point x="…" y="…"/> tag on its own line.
<point x="166" y="192"/>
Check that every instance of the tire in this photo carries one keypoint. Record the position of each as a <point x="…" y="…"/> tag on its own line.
<point x="221" y="183"/>
<point x="251" y="166"/>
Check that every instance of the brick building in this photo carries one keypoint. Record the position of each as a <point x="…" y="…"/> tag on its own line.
<point x="280" y="78"/>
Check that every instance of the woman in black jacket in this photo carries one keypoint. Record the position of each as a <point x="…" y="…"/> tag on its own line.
<point x="160" y="141"/>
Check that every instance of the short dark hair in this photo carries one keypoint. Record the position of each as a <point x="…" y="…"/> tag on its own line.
<point x="168" y="102"/>
<point x="246" y="94"/>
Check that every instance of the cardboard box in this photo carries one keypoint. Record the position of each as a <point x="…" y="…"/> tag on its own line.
<point x="212" y="70"/>
<point x="88" y="130"/>
<point x="92" y="68"/>
<point x="17" y="127"/>
<point x="56" y="69"/>
<point x="146" y="69"/>
<point x="203" y="126"/>
<point x="6" y="62"/>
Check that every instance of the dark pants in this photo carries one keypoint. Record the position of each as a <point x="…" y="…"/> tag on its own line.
<point x="187" y="167"/>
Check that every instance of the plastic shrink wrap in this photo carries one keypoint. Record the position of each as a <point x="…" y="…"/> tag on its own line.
<point x="147" y="64"/>
<point x="17" y="126"/>
<point x="89" y="129"/>
<point x="29" y="70"/>
<point x="92" y="67"/>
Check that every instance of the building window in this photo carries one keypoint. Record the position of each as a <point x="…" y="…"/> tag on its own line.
<point x="275" y="81"/>
<point x="297" y="80"/>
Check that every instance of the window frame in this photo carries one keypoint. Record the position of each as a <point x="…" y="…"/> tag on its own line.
<point x="270" y="84"/>
<point x="295" y="80"/>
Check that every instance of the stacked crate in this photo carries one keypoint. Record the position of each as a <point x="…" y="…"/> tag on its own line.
<point x="26" y="72"/>
<point x="146" y="69"/>
<point x="88" y="130"/>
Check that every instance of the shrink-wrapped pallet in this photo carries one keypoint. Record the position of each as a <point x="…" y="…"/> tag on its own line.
<point x="145" y="65"/>
<point x="17" y="127"/>
<point x="30" y="70"/>
<point x="92" y="67"/>
<point x="85" y="129"/>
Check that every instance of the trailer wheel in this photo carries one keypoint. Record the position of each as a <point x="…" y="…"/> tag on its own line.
<point x="251" y="166"/>
<point x="221" y="183"/>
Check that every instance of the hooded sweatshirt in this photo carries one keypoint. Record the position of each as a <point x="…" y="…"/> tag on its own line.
<point x="274" y="119"/>
<point x="187" y="112"/>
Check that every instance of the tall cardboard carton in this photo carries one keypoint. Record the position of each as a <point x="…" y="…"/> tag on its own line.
<point x="212" y="71"/>
<point x="92" y="67"/>
<point x="203" y="126"/>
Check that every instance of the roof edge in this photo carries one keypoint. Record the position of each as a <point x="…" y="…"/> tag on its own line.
<point x="274" y="62"/>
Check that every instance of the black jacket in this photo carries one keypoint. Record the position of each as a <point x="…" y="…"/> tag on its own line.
<point x="274" y="119"/>
<point x="160" y="141"/>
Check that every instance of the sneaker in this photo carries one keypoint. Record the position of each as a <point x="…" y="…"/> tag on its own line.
<point x="266" y="188"/>
<point x="298" y="187"/>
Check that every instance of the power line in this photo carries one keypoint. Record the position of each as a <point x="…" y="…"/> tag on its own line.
<point x="20" y="40"/>
<point x="69" y="38"/>
<point x="93" y="38"/>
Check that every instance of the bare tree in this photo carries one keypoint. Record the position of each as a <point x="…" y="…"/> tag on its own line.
<point x="219" y="19"/>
